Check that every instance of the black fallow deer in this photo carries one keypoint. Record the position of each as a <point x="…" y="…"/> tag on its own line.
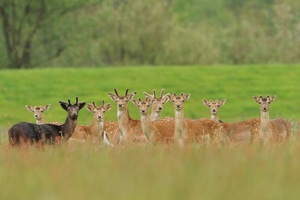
<point x="25" y="133"/>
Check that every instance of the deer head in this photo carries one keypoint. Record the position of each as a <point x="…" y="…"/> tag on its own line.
<point x="264" y="102"/>
<point x="121" y="101"/>
<point x="214" y="105"/>
<point x="143" y="105"/>
<point x="99" y="110"/>
<point x="178" y="101"/>
<point x="158" y="102"/>
<point x="72" y="109"/>
<point x="38" y="110"/>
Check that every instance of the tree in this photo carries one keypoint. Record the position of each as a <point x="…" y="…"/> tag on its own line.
<point x="23" y="20"/>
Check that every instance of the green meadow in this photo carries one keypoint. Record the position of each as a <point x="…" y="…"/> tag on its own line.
<point x="150" y="172"/>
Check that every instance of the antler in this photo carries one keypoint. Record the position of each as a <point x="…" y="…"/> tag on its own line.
<point x="154" y="94"/>
<point x="162" y="93"/>
<point x="116" y="91"/>
<point x="94" y="104"/>
<point x="76" y="101"/>
<point x="102" y="102"/>
<point x="126" y="92"/>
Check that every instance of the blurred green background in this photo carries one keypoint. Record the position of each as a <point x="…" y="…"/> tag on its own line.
<point x="213" y="49"/>
<point x="154" y="32"/>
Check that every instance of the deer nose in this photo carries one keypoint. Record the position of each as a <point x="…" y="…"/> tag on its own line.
<point x="120" y="105"/>
<point x="99" y="117"/>
<point x="143" y="111"/>
<point x="159" y="108"/>
<point x="177" y="106"/>
<point x="36" y="116"/>
<point x="74" y="114"/>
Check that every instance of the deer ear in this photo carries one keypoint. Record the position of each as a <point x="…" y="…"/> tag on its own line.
<point x="81" y="105"/>
<point x="134" y="102"/>
<point x="46" y="107"/>
<point x="272" y="98"/>
<point x="205" y="102"/>
<point x="187" y="96"/>
<point x="29" y="108"/>
<point x="166" y="98"/>
<point x="255" y="99"/>
<point x="90" y="107"/>
<point x="112" y="96"/>
<point x="222" y="102"/>
<point x="169" y="96"/>
<point x="130" y="96"/>
<point x="148" y="95"/>
<point x="64" y="105"/>
<point x="108" y="107"/>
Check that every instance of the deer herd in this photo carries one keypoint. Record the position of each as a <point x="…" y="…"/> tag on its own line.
<point x="150" y="128"/>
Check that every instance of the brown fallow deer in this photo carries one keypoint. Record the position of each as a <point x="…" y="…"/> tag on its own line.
<point x="189" y="130"/>
<point x="38" y="112"/>
<point x="130" y="129"/>
<point x="96" y="132"/>
<point x="214" y="107"/>
<point x="158" y="103"/>
<point x="159" y="131"/>
<point x="25" y="133"/>
<point x="278" y="130"/>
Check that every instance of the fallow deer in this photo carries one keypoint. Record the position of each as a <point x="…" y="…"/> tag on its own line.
<point x="38" y="112"/>
<point x="130" y="129"/>
<point x="158" y="103"/>
<point x="28" y="133"/>
<point x="96" y="132"/>
<point x="188" y="130"/>
<point x="214" y="108"/>
<point x="159" y="131"/>
<point x="278" y="130"/>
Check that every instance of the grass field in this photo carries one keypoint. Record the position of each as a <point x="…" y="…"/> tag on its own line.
<point x="150" y="172"/>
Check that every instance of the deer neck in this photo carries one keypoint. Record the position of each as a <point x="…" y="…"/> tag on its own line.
<point x="67" y="129"/>
<point x="265" y="120"/>
<point x="179" y="124"/>
<point x="123" y="119"/>
<point x="147" y="126"/>
<point x="41" y="121"/>
<point x="155" y="115"/>
<point x="215" y="117"/>
<point x="96" y="127"/>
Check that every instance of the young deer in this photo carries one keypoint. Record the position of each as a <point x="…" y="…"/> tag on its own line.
<point x="156" y="131"/>
<point x="188" y="130"/>
<point x="38" y="112"/>
<point x="271" y="130"/>
<point x="214" y="108"/>
<point x="94" y="133"/>
<point x="130" y="129"/>
<point x="158" y="103"/>
<point x="29" y="133"/>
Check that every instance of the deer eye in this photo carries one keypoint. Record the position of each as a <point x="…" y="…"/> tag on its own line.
<point x="209" y="106"/>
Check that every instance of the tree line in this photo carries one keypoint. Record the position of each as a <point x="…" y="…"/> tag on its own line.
<point x="99" y="33"/>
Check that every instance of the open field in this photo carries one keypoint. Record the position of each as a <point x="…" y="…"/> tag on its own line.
<point x="150" y="172"/>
